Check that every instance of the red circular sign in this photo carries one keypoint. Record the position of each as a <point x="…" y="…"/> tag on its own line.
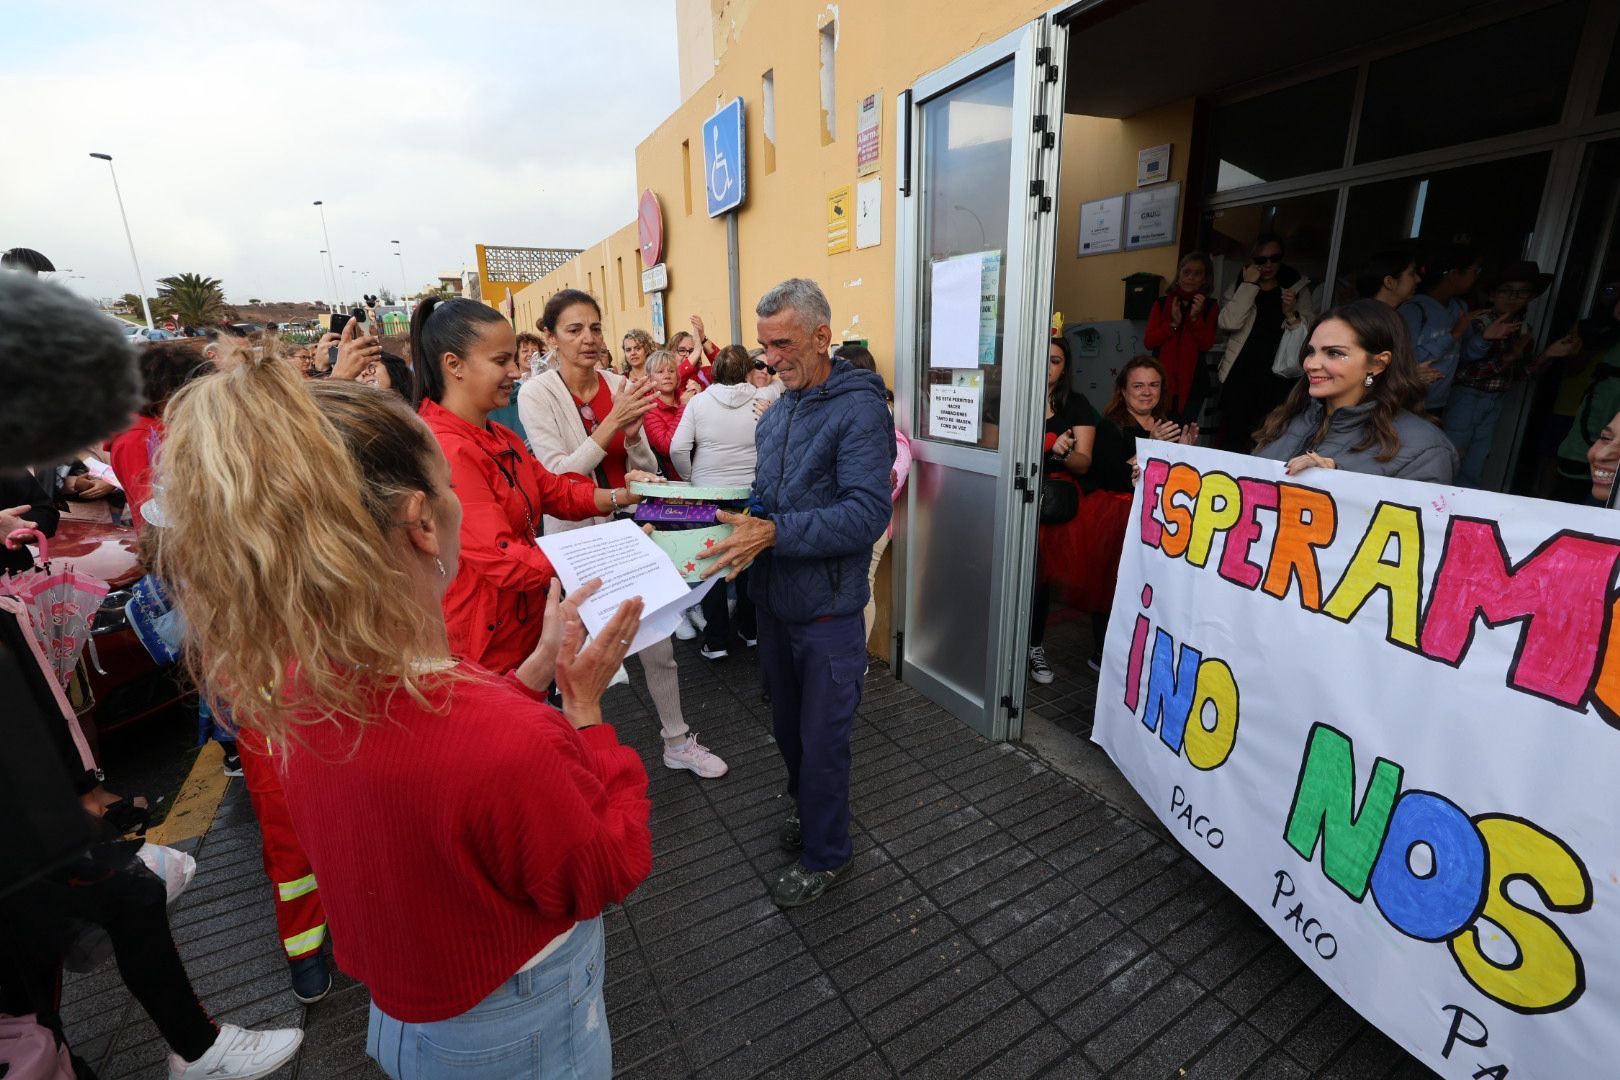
<point x="650" y="229"/>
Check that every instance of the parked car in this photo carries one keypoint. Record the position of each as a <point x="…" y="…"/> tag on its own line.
<point x="247" y="329"/>
<point x="141" y="333"/>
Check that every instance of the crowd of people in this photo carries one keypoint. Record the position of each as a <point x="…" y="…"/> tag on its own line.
<point x="386" y="654"/>
<point x="1409" y="380"/>
<point x="370" y="717"/>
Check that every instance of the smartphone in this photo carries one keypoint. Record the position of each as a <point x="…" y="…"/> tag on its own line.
<point x="339" y="321"/>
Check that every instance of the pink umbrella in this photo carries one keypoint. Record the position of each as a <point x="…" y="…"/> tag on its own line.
<point x="61" y="605"/>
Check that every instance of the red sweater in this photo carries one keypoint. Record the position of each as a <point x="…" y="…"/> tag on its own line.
<point x="1178" y="348"/>
<point x="494" y="607"/>
<point x="130" y="455"/>
<point x="660" y="424"/>
<point x="452" y="845"/>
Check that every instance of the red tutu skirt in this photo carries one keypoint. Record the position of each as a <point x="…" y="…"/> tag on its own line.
<point x="1081" y="556"/>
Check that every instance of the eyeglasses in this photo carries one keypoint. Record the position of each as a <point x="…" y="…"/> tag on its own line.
<point x="1261" y="260"/>
<point x="685" y="350"/>
<point x="760" y="365"/>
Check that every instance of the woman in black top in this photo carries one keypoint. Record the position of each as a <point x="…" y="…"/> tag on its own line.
<point x="1137" y="410"/>
<point x="1071" y="428"/>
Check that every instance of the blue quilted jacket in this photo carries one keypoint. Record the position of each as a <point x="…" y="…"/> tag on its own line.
<point x="823" y="478"/>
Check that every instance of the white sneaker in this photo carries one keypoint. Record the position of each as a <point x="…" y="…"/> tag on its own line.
<point x="695" y="613"/>
<point x="694" y="756"/>
<point x="685" y="631"/>
<point x="1039" y="669"/>
<point x="239" y="1054"/>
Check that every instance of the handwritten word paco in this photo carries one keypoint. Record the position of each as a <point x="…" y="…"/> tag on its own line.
<point x="1559" y="594"/>
<point x="1463" y="867"/>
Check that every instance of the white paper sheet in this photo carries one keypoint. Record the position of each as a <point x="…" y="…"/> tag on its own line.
<point x="953" y="413"/>
<point x="953" y="333"/>
<point x="629" y="564"/>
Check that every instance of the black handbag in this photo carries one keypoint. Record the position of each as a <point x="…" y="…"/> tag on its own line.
<point x="1060" y="500"/>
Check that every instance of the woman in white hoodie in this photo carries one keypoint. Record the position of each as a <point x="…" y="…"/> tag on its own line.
<point x="714" y="444"/>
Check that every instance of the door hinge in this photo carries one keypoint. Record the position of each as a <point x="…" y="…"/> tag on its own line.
<point x="1021" y="483"/>
<point x="1051" y="73"/>
<point x="1037" y="187"/>
<point x="1007" y="703"/>
<point x="1048" y="140"/>
<point x="1043" y="55"/>
<point x="1041" y="121"/>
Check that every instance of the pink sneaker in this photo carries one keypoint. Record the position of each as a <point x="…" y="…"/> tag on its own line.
<point x="694" y="756"/>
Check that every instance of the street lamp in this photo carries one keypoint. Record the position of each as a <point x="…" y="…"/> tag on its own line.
<point x="140" y="282"/>
<point x="324" y="236"/>
<point x="404" y="282"/>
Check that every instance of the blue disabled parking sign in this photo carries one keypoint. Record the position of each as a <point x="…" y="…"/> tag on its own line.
<point x="724" y="172"/>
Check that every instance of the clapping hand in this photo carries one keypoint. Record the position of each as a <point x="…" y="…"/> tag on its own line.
<point x="540" y="668"/>
<point x="584" y="670"/>
<point x="1428" y="374"/>
<point x="1166" y="430"/>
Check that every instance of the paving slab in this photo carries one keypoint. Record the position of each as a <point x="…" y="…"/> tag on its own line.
<point x="1004" y="920"/>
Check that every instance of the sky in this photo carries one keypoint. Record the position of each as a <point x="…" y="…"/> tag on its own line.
<point x="438" y="125"/>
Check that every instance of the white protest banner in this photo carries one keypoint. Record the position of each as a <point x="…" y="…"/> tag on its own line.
<point x="1385" y="714"/>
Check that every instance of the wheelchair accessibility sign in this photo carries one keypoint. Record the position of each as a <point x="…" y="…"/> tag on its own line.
<point x="724" y="172"/>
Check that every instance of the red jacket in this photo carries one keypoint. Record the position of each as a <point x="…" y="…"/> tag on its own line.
<point x="452" y="843"/>
<point x="1179" y="348"/>
<point x="494" y="607"/>
<point x="130" y="455"/>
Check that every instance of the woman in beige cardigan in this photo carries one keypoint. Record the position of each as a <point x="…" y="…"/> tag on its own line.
<point x="581" y="419"/>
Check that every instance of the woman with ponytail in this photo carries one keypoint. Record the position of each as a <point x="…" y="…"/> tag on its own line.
<point x="473" y="917"/>
<point x="466" y="368"/>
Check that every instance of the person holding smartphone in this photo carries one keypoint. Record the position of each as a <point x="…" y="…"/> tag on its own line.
<point x="1268" y="299"/>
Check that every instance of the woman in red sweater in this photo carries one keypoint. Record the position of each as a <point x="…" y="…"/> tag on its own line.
<point x="165" y="368"/>
<point x="466" y="363"/>
<point x="1181" y="329"/>
<point x="466" y="835"/>
<point x="665" y="415"/>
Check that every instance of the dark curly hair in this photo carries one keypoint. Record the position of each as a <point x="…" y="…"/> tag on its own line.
<point x="165" y="368"/>
<point x="1397" y="389"/>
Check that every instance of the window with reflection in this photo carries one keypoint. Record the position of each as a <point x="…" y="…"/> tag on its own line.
<point x="1507" y="77"/>
<point x="964" y="187"/>
<point x="1293" y="132"/>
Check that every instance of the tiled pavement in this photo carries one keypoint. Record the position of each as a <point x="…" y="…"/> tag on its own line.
<point x="1003" y="922"/>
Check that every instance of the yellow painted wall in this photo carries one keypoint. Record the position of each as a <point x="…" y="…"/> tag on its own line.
<point x="883" y="47"/>
<point x="1099" y="160"/>
<point x="596" y="270"/>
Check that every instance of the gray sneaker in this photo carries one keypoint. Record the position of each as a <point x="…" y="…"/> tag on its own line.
<point x="798" y="886"/>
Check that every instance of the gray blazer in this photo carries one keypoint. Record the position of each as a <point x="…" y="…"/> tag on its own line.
<point x="1425" y="453"/>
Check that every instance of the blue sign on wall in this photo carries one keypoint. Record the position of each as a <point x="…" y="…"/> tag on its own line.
<point x="724" y="172"/>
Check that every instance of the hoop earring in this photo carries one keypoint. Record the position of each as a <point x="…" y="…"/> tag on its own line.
<point x="440" y="564"/>
<point x="1368" y="381"/>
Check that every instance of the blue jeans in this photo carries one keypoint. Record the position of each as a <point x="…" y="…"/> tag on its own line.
<point x="1470" y="424"/>
<point x="815" y="673"/>
<point x="549" y="1021"/>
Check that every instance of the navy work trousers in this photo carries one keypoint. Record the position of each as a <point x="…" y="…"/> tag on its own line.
<point x="815" y="672"/>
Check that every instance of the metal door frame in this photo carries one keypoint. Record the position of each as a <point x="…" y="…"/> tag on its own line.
<point x="1028" y="286"/>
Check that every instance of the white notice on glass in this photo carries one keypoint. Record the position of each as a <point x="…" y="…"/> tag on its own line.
<point x="630" y="565"/>
<point x="953" y="333"/>
<point x="1100" y="223"/>
<point x="953" y="413"/>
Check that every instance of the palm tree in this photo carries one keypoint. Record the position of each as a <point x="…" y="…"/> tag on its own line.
<point x="194" y="300"/>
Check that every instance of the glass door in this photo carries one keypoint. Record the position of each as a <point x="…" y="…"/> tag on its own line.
<point x="971" y="358"/>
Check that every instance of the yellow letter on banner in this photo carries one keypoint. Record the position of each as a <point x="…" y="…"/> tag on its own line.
<point x="1369" y="571"/>
<point x="1547" y="973"/>
<point x="1204" y="748"/>
<point x="1208" y="518"/>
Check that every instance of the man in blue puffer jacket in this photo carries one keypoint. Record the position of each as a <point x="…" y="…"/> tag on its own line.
<point x="821" y="500"/>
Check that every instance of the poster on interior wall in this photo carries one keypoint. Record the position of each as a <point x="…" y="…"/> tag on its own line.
<point x="1101" y="225"/>
<point x="1153" y="165"/>
<point x="1387" y="715"/>
<point x="868" y="134"/>
<point x="1150" y="216"/>
<point x="953" y="413"/>
<point x="839" y="230"/>
<point x="868" y="213"/>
